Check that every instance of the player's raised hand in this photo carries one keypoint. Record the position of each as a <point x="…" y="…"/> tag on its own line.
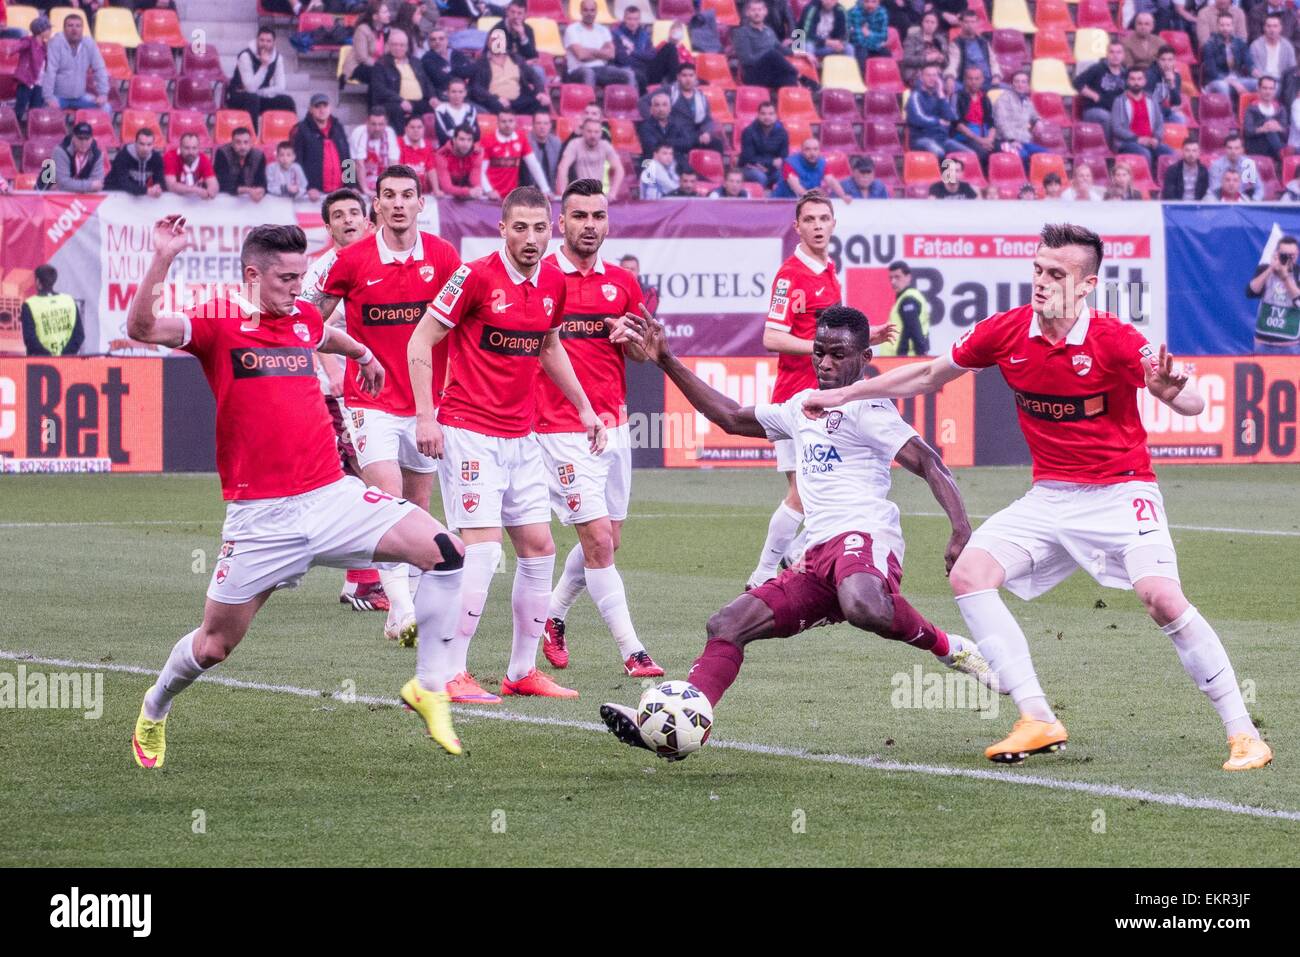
<point x="169" y="237"/>
<point x="815" y="404"/>
<point x="371" y="376"/>
<point x="881" y="334"/>
<point x="428" y="436"/>
<point x="597" y="434"/>
<point x="644" y="333"/>
<point x="1164" y="381"/>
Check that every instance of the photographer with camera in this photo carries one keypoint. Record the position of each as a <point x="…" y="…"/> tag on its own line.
<point x="1277" y="287"/>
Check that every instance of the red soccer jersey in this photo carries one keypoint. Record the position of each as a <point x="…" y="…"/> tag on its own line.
<point x="503" y="159"/>
<point x="274" y="436"/>
<point x="589" y="300"/>
<point x="498" y="321"/>
<point x="194" y="175"/>
<point x="1077" y="399"/>
<point x="803" y="288"/>
<point x="383" y="299"/>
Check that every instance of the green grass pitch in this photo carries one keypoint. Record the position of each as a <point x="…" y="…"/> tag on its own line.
<point x="261" y="776"/>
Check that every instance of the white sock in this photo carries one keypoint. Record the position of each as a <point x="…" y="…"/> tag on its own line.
<point x="797" y="547"/>
<point x="480" y="565"/>
<point x="781" y="531"/>
<point x="437" y="609"/>
<point x="572" y="581"/>
<point x="998" y="636"/>
<point x="606" y="586"/>
<point x="1205" y="661"/>
<point x="395" y="579"/>
<point x="413" y="581"/>
<point x="528" y="600"/>
<point x="177" y="675"/>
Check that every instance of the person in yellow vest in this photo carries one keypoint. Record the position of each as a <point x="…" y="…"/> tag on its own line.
<point x="910" y="315"/>
<point x="51" y="320"/>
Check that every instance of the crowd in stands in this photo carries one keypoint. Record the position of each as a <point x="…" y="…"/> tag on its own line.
<point x="863" y="99"/>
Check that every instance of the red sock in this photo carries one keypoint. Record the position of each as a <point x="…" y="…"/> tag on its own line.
<point x="363" y="576"/>
<point x="716" y="668"/>
<point x="912" y="627"/>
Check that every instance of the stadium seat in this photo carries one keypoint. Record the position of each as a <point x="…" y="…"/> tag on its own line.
<point x="887" y="172"/>
<point x="1289" y="166"/>
<point x="1050" y="76"/>
<point x="551" y="9"/>
<point x="984" y="24"/>
<point x="1053" y="13"/>
<point x="574" y="98"/>
<point x="181" y="122"/>
<point x="21" y="16"/>
<point x="155" y="59"/>
<point x="1096" y="13"/>
<point x="1090" y="44"/>
<point x="8" y="56"/>
<point x="204" y="65"/>
<point x="794" y="103"/>
<point x="563" y="127"/>
<point x="1267" y="176"/>
<point x="881" y="138"/>
<point x="1051" y="42"/>
<point x="726" y="10"/>
<point x="487" y="123"/>
<point x="115" y="62"/>
<point x="1175" y="135"/>
<point x="46" y="122"/>
<point x="1244" y="102"/>
<point x="1040" y="164"/>
<point x="623" y="135"/>
<point x="842" y="73"/>
<point x="1212" y="139"/>
<point x="8" y="168"/>
<point x="670" y="10"/>
<point x="893" y="44"/>
<point x="1006" y="171"/>
<point x="1163" y="163"/>
<point x="749" y="99"/>
<point x="10" y="130"/>
<point x="1190" y="88"/>
<point x="920" y="167"/>
<point x="620" y="100"/>
<point x="878" y="107"/>
<point x="713" y="70"/>
<point x="36" y="152"/>
<point x="839" y="135"/>
<point x="227" y="121"/>
<point x="837" y="164"/>
<point x="148" y="93"/>
<point x="602" y="12"/>
<point x="883" y="76"/>
<point x="135" y="120"/>
<point x="1215" y="109"/>
<point x="798" y="130"/>
<point x="101" y="127"/>
<point x="708" y="163"/>
<point x="1090" y="140"/>
<point x="162" y="26"/>
<point x="755" y="190"/>
<point x="1009" y="50"/>
<point x="547" y="34"/>
<point x="116" y="25"/>
<point x="307" y="22"/>
<point x="971" y="171"/>
<point x="1182" y="45"/>
<point x="193" y="93"/>
<point x="1050" y="137"/>
<point x="56" y="16"/>
<point x="839" y="105"/>
<point x="719" y="109"/>
<point x="1013" y="15"/>
<point x="1141" y="171"/>
<point x="277" y="125"/>
<point x="1050" y="107"/>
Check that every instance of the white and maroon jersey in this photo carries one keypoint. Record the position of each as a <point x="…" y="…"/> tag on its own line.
<point x="803" y="287"/>
<point x="498" y="319"/>
<point x="313" y="290"/>
<point x="503" y="156"/>
<point x="1077" y="400"/>
<point x="843" y="461"/>
<point x="607" y="291"/>
<point x="274" y="436"/>
<point x="384" y="295"/>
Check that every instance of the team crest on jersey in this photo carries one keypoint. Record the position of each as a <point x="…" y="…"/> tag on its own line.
<point x="426" y="273"/>
<point x="300" y="329"/>
<point x="548" y="304"/>
<point x="470" y="501"/>
<point x="361" y="444"/>
<point x="610" y="290"/>
<point x="1082" y="363"/>
<point x="833" y="420"/>
<point x="469" y="471"/>
<point x="566" y="473"/>
<point x="358" y="418"/>
<point x="575" y="501"/>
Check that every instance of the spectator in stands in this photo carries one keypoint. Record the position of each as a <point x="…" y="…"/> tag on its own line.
<point x="507" y="152"/>
<point x="1188" y="179"/>
<point x="1265" y="127"/>
<point x="415" y="149"/>
<point x="733" y="186"/>
<point x="374" y="146"/>
<point x="69" y="57"/>
<point x="258" y="82"/>
<point x="459" y="163"/>
<point x="951" y="185"/>
<point x="1226" y="65"/>
<point x="321" y="146"/>
<point x="759" y="51"/>
<point x="1234" y="159"/>
<point x="78" y="163"/>
<point x="634" y="45"/>
<point x="441" y="63"/>
<point x="1015" y="116"/>
<point x="455" y="112"/>
<point x="1026" y="191"/>
<point x="368" y="38"/>
<point x="974" y="125"/>
<point x="704" y="33"/>
<point x="31" y="68"/>
<point x="240" y="169"/>
<point x="1207" y="21"/>
<point x="650" y="294"/>
<point x="692" y="107"/>
<point x="521" y="42"/>
<point x="688" y="186"/>
<point x="590" y="48"/>
<point x="949" y="11"/>
<point x="1165" y="84"/>
<point x="1272" y="53"/>
<point x="1293" y="140"/>
<point x="285" y="177"/>
<point x="659" y="174"/>
<point x="806" y="170"/>
<point x="1141" y="46"/>
<point x="1052" y="186"/>
<point x="663" y="126"/>
<point x="1101" y="85"/>
<point x="1121" y="185"/>
<point x="868" y="30"/>
<point x="971" y="48"/>
<point x="51" y="320"/>
<point x="590" y="156"/>
<point x="137" y="168"/>
<point x="924" y="45"/>
<point x="905" y="14"/>
<point x="1137" y="123"/>
<point x="1082" y="187"/>
<point x="862" y="182"/>
<point x="1230" y="189"/>
<point x="779" y="17"/>
<point x="593" y="111"/>
<point x="825" y="28"/>
<point x="546" y="146"/>
<point x="398" y="84"/>
<point x="764" y="145"/>
<point x="1257" y="20"/>
<point x="503" y="81"/>
<point x="86" y="8"/>
<point x="188" y="172"/>
<point x="930" y="116"/>
<point x="410" y="20"/>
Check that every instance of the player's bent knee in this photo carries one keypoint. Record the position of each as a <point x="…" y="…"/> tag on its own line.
<point x="975" y="571"/>
<point x="451" y="552"/>
<point x="1163" y="600"/>
<point x="867" y="612"/>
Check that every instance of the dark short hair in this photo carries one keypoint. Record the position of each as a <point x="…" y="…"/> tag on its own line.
<point x="899" y="265"/>
<point x="1060" y="235"/>
<point x="187" y="136"/>
<point x="1165" y="48"/>
<point x="864" y="164"/>
<point x="846" y="317"/>
<point x="148" y="131"/>
<point x="1273" y="16"/>
<point x="1136" y="69"/>
<point x="463" y="128"/>
<point x="338" y="196"/>
<point x="525" y="197"/>
<point x="1288" y="239"/>
<point x="1232" y="136"/>
<point x="687" y="170"/>
<point x="376" y="111"/>
<point x="1052" y="179"/>
<point x="581" y="187"/>
<point x="1270" y="78"/>
<point x="240" y="129"/>
<point x="398" y="171"/>
<point x="262" y="30"/>
<point x="810" y="197"/>
<point x="46" y="276"/>
<point x="284" y="145"/>
<point x="518" y="3"/>
<point x="271" y="240"/>
<point x="684" y="67"/>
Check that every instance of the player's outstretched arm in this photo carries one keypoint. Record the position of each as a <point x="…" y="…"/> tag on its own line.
<point x="370" y="373"/>
<point x="146" y="321"/>
<point x="1171" y="385"/>
<point x="429" y="331"/>
<point x="916" y="378"/>
<point x="919" y="458"/>
<point x="556" y="364"/>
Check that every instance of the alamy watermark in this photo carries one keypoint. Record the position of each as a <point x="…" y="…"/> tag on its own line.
<point x="38" y="690"/>
<point x="949" y="691"/>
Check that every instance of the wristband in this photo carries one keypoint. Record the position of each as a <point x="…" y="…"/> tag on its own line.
<point x="366" y="357"/>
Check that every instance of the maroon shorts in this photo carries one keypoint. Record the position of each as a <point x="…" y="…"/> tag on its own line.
<point x="807" y="598"/>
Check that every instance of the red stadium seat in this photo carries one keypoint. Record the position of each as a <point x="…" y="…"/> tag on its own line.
<point x="550" y="9"/>
<point x="574" y="98"/>
<point x="755" y="190"/>
<point x="920" y="168"/>
<point x="1051" y="107"/>
<point x="148" y="93"/>
<point x="839" y="105"/>
<point x="46" y="122"/>
<point x="1182" y="45"/>
<point x="277" y="125"/>
<point x="101" y="126"/>
<point x="794" y="103"/>
<point x="799" y="130"/>
<point x="1051" y="42"/>
<point x="202" y="65"/>
<point x="676" y="10"/>
<point x="115" y="61"/>
<point x="719" y="109"/>
<point x="1090" y="140"/>
<point x="837" y="164"/>
<point x="1216" y="110"/>
<point x="134" y="120"/>
<point x="1006" y="171"/>
<point x="1289" y="165"/>
<point x="1009" y="50"/>
<point x="8" y="57"/>
<point x="882" y="138"/>
<point x="307" y="22"/>
<point x="1267" y="176"/>
<point x="1141" y="171"/>
<point x="155" y="59"/>
<point x="1212" y="139"/>
<point x="1100" y="174"/>
<point x="227" y="121"/>
<point x="10" y="131"/>
<point x="1163" y="163"/>
<point x="887" y="172"/>
<point x="880" y="107"/>
<point x="837" y="135"/>
<point x="195" y="93"/>
<point x="883" y="76"/>
<point x="981" y="11"/>
<point x="162" y="26"/>
<point x="623" y="135"/>
<point x="713" y="70"/>
<point x="708" y="163"/>
<point x="183" y="122"/>
<point x="621" y="101"/>
<point x="893" y="44"/>
<point x="1096" y="13"/>
<point x="36" y="152"/>
<point x="750" y="98"/>
<point x="971" y="171"/>
<point x="1053" y="13"/>
<point x="1050" y="137"/>
<point x="726" y="11"/>
<point x="8" y="168"/>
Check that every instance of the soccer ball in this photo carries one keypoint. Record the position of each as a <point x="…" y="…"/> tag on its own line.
<point x="675" y="719"/>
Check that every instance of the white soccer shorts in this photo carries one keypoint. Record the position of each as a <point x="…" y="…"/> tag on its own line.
<point x="380" y="436"/>
<point x="585" y="487"/>
<point x="491" y="482"/>
<point x="1117" y="533"/>
<point x="270" y="543"/>
<point x="785" y="455"/>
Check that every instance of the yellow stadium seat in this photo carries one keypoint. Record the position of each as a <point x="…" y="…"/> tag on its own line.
<point x="547" y="35"/>
<point x="1012" y="15"/>
<point x="1050" y="76"/>
<point x="660" y="34"/>
<point x="486" y="23"/>
<point x="21" y="15"/>
<point x="116" y="25"/>
<point x="1090" y="44"/>
<point x="841" y="73"/>
<point x="57" y="15"/>
<point x="994" y="93"/>
<point x="602" y="12"/>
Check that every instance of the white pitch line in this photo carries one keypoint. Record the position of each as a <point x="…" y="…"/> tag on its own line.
<point x="872" y="763"/>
